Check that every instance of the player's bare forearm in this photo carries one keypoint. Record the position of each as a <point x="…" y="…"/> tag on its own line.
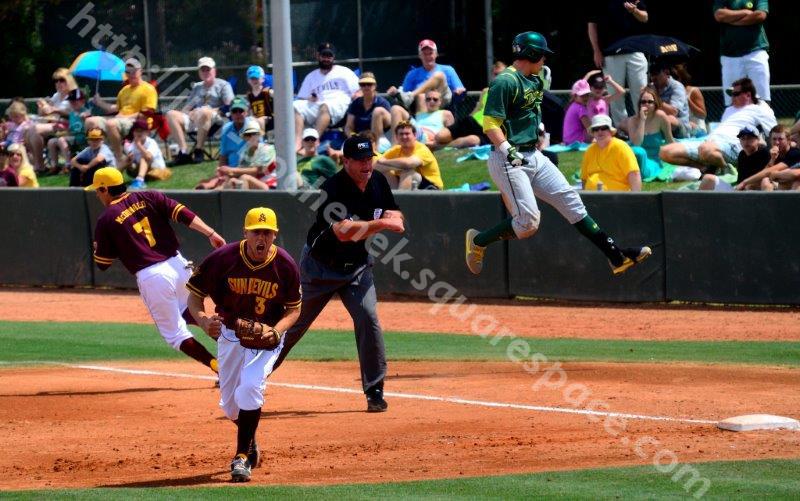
<point x="207" y="231"/>
<point x="288" y="320"/>
<point x="750" y="18"/>
<point x="730" y="16"/>
<point x="496" y="136"/>
<point x="211" y="325"/>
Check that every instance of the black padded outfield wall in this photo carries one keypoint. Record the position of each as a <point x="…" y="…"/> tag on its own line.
<point x="558" y="262"/>
<point x="707" y="247"/>
<point x="45" y="236"/>
<point x="733" y="247"/>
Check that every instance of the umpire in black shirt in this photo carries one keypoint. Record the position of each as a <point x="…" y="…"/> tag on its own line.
<point x="358" y="203"/>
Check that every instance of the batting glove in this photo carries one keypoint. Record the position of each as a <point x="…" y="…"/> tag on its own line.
<point x="514" y="157"/>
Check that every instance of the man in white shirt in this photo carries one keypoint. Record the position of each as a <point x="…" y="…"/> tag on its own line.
<point x="722" y="147"/>
<point x="144" y="156"/>
<point x="324" y="95"/>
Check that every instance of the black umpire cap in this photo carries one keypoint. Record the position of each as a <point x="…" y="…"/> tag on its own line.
<point x="358" y="148"/>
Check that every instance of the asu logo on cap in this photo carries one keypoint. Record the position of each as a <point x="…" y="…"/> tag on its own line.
<point x="261" y="218"/>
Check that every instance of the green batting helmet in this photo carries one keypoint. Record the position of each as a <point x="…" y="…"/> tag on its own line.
<point x="530" y="45"/>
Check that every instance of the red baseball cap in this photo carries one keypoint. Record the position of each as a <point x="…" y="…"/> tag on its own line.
<point x="427" y="43"/>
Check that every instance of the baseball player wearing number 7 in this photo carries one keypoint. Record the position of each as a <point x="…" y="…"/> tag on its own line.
<point x="255" y="286"/>
<point x="134" y="227"/>
<point x="522" y="173"/>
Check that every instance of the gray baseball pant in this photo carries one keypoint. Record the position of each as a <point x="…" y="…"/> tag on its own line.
<point x="357" y="292"/>
<point x="523" y="184"/>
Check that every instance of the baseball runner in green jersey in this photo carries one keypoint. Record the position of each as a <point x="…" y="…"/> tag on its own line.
<point x="522" y="173"/>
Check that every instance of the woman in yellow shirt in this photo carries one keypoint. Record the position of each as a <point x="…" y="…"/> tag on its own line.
<point x="609" y="160"/>
<point x="18" y="162"/>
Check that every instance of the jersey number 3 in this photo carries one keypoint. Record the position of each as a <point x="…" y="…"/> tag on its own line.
<point x="143" y="226"/>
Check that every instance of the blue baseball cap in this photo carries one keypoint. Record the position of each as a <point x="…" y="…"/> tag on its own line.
<point x="255" y="72"/>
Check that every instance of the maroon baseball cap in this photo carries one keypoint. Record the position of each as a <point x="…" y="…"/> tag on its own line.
<point x="76" y="95"/>
<point x="140" y="123"/>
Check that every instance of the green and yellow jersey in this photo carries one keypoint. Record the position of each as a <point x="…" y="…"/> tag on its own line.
<point x="514" y="103"/>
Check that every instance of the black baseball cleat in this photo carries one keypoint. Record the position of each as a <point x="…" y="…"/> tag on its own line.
<point x="375" y="401"/>
<point x="240" y="469"/>
<point x="254" y="455"/>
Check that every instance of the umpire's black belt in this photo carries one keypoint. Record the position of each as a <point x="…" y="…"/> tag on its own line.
<point x="335" y="264"/>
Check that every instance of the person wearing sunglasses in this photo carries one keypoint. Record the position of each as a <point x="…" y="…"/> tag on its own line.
<point x="522" y="173"/>
<point x="368" y="112"/>
<point x="428" y="122"/>
<point x="649" y="129"/>
<point x="718" y="153"/>
<point x="672" y="94"/>
<point x="609" y="164"/>
<point x="53" y="115"/>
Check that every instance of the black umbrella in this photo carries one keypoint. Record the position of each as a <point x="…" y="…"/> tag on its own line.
<point x="653" y="46"/>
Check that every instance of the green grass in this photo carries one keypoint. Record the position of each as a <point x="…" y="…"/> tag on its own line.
<point x="74" y="342"/>
<point x="454" y="173"/>
<point x="773" y="479"/>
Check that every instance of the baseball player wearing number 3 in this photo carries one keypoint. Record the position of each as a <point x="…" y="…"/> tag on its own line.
<point x="134" y="227"/>
<point x="255" y="286"/>
<point x="511" y="121"/>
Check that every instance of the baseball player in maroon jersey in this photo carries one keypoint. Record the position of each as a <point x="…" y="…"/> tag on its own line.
<point x="134" y="228"/>
<point x="250" y="281"/>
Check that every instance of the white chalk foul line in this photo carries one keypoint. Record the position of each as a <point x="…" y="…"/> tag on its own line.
<point x="412" y="396"/>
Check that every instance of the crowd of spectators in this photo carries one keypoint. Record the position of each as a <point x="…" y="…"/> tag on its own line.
<point x="667" y="135"/>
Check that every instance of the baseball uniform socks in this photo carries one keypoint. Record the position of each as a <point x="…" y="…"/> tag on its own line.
<point x="247" y="423"/>
<point x="198" y="352"/>
<point x="588" y="228"/>
<point x="501" y="231"/>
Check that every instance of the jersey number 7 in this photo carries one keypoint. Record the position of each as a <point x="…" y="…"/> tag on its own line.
<point x="143" y="226"/>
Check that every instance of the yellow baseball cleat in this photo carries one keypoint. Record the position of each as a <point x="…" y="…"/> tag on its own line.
<point x="474" y="253"/>
<point x="632" y="257"/>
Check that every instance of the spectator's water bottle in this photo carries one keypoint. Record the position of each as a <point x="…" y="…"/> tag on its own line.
<point x="599" y="185"/>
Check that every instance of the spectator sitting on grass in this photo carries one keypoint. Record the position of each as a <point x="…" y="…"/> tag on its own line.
<point x="722" y="147"/>
<point x="18" y="124"/>
<point x="135" y="99"/>
<point x="231" y="144"/>
<point x="429" y="122"/>
<point x="313" y="169"/>
<point x="697" y="103"/>
<point x="74" y="136"/>
<point x="609" y="163"/>
<point x="8" y="178"/>
<point x="256" y="170"/>
<point x="753" y="157"/>
<point x="95" y="156"/>
<point x="782" y="157"/>
<point x="409" y="164"/>
<point x="260" y="98"/>
<point x="145" y="158"/>
<point x="369" y="111"/>
<point x="430" y="76"/>
<point x="468" y="131"/>
<point x="673" y="99"/>
<point x="202" y="110"/>
<point x="576" y="119"/>
<point x="18" y="163"/>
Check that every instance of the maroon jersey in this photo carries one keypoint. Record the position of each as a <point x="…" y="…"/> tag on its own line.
<point x="135" y="228"/>
<point x="241" y="288"/>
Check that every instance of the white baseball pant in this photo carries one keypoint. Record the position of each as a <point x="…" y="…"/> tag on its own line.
<point x="243" y="374"/>
<point x="755" y="66"/>
<point x="163" y="290"/>
<point x="521" y="185"/>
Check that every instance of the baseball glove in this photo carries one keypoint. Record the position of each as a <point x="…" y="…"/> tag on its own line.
<point x="256" y="335"/>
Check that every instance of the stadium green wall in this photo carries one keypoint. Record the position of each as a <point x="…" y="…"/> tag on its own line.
<point x="708" y="247"/>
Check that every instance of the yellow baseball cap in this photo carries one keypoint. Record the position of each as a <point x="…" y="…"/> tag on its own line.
<point x="260" y="218"/>
<point x="94" y="133"/>
<point x="105" y="177"/>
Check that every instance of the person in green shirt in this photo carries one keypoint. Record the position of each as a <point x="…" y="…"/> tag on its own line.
<point x="313" y="169"/>
<point x="521" y="172"/>
<point x="743" y="43"/>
